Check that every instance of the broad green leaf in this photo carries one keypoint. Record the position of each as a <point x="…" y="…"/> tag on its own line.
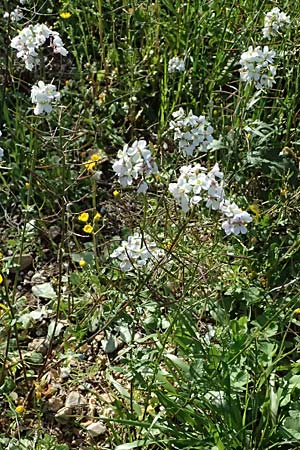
<point x="44" y="290"/>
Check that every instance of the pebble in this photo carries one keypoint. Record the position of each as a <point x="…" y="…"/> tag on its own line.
<point x="96" y="429"/>
<point x="74" y="399"/>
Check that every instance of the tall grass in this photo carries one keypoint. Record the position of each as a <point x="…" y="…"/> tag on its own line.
<point x="198" y="350"/>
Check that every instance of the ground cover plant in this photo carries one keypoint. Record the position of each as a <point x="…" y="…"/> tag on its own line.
<point x="149" y="225"/>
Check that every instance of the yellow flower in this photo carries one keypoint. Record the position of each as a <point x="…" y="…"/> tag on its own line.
<point x="20" y="409"/>
<point x="95" y="157"/>
<point x="65" y="15"/>
<point x="168" y="245"/>
<point x="297" y="311"/>
<point x="27" y="185"/>
<point x="97" y="217"/>
<point x="90" y="164"/>
<point x="1" y="278"/>
<point x="88" y="228"/>
<point x="82" y="263"/>
<point x="116" y="193"/>
<point x="83" y="217"/>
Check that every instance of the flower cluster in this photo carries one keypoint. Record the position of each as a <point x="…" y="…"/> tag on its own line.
<point x="43" y="94"/>
<point x="176" y="65"/>
<point x="135" y="162"/>
<point x="29" y="41"/>
<point x="15" y="16"/>
<point x="236" y="218"/>
<point x="192" y="132"/>
<point x="275" y="20"/>
<point x="196" y="184"/>
<point x="257" y="66"/>
<point x="136" y="252"/>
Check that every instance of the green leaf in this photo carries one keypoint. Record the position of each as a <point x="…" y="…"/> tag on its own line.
<point x="44" y="290"/>
<point x="129" y="445"/>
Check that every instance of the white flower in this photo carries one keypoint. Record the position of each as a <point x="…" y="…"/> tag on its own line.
<point x="31" y="38"/>
<point x="194" y="185"/>
<point x="136" y="252"/>
<point x="192" y="132"/>
<point x="135" y="162"/>
<point x="15" y="16"/>
<point x="237" y="219"/>
<point x="58" y="45"/>
<point x="275" y="20"/>
<point x="43" y="95"/>
<point x="176" y="65"/>
<point x="257" y="66"/>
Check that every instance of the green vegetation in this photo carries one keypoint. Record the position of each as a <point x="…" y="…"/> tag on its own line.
<point x="193" y="342"/>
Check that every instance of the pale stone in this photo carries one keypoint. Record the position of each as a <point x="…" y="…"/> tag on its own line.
<point x="96" y="429"/>
<point x="73" y="399"/>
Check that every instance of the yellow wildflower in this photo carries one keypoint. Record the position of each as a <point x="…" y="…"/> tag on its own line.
<point x="83" y="217"/>
<point x="20" y="409"/>
<point x="95" y="157"/>
<point x="116" y="193"/>
<point x="297" y="311"/>
<point x="97" y="217"/>
<point x="82" y="263"/>
<point x="168" y="245"/>
<point x="65" y="15"/>
<point x="88" y="228"/>
<point x="90" y="164"/>
<point x="27" y="185"/>
<point x="1" y="278"/>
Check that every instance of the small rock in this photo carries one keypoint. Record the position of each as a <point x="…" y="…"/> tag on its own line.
<point x="73" y="399"/>
<point x="39" y="345"/>
<point x="64" y="373"/>
<point x="54" y="404"/>
<point x="96" y="429"/>
<point x="107" y="398"/>
<point x="63" y="415"/>
<point x="24" y="262"/>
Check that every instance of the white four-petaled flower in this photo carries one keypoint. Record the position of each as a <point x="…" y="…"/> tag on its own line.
<point x="257" y="67"/>
<point x="136" y="252"/>
<point x="43" y="95"/>
<point x="176" y="64"/>
<point x="275" y="21"/>
<point x="192" y="132"/>
<point x="135" y="162"/>
<point x="29" y="41"/>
